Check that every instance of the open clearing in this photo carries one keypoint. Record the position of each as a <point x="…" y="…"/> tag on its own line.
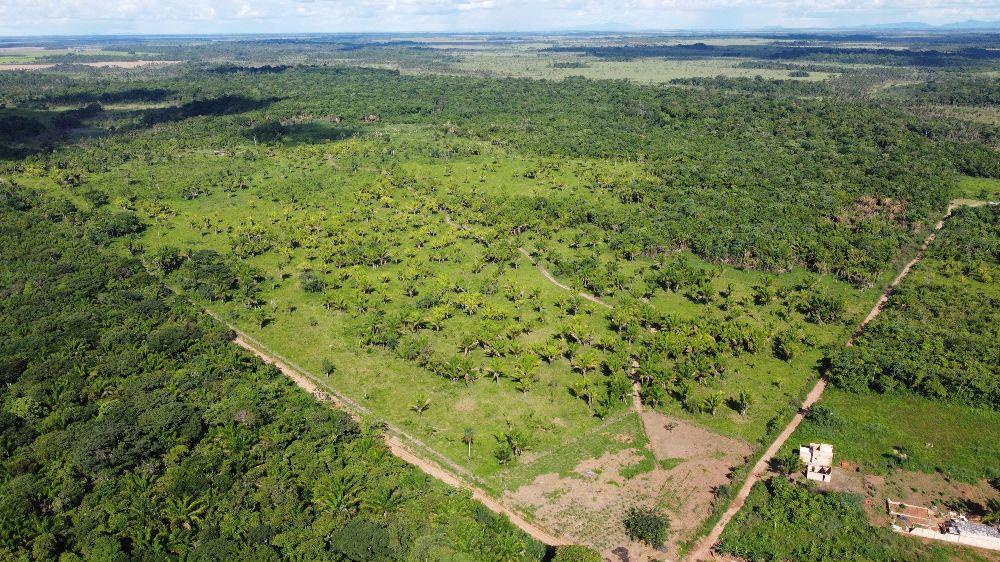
<point x="676" y="469"/>
<point x="102" y="64"/>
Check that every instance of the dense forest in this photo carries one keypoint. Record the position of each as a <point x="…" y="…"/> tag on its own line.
<point x="132" y="429"/>
<point x="789" y="176"/>
<point x="938" y="335"/>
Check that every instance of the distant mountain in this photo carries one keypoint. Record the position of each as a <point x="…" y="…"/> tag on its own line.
<point x="967" y="25"/>
<point x="914" y="25"/>
<point x="972" y="24"/>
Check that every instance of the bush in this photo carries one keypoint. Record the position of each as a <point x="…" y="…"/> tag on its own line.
<point x="786" y="521"/>
<point x="167" y="259"/>
<point x="310" y="282"/>
<point x="106" y="226"/>
<point x="788" y="463"/>
<point x="648" y="525"/>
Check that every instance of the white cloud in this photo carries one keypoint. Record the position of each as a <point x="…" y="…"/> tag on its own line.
<point x="18" y="17"/>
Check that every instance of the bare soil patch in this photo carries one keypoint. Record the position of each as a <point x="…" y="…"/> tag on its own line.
<point x="915" y="488"/>
<point x="588" y="505"/>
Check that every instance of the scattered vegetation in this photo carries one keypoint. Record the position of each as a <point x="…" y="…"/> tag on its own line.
<point x="131" y="427"/>
<point x="787" y="521"/>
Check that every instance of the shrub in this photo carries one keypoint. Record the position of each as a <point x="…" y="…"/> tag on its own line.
<point x="788" y="463"/>
<point x="328" y="367"/>
<point x="823" y="416"/>
<point x="310" y="282"/>
<point x="167" y="259"/>
<point x="648" y="525"/>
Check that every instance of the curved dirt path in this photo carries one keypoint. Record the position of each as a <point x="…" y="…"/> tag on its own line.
<point x="541" y="269"/>
<point x="556" y="282"/>
<point x="703" y="551"/>
<point x="399" y="443"/>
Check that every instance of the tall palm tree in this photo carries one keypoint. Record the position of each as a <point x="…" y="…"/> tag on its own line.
<point x="468" y="436"/>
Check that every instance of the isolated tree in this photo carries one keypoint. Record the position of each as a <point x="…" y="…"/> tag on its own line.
<point x="496" y="369"/>
<point x="587" y="361"/>
<point x="744" y="401"/>
<point x="648" y="525"/>
<point x="584" y="388"/>
<point x="468" y="436"/>
<point x="421" y="405"/>
<point x="711" y="403"/>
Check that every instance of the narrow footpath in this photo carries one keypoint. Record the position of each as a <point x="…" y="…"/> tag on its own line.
<point x="541" y="269"/>
<point x="703" y="550"/>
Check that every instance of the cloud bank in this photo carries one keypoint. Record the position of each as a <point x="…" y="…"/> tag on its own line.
<point x="54" y="17"/>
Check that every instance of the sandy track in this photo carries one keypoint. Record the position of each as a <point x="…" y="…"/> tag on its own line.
<point x="703" y="551"/>
<point x="556" y="282"/>
<point x="398" y="442"/>
<point x="884" y="297"/>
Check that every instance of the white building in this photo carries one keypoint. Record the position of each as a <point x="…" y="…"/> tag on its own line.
<point x="818" y="458"/>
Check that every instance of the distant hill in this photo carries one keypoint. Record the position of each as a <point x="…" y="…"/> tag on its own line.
<point x="966" y="25"/>
<point x="972" y="24"/>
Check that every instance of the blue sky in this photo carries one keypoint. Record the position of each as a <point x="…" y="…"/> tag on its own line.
<point x="51" y="17"/>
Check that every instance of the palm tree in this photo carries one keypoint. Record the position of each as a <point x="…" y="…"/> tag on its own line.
<point x="744" y="401"/>
<point x="184" y="513"/>
<point x="468" y="436"/>
<point x="342" y="494"/>
<point x="469" y="342"/>
<point x="584" y="388"/>
<point x="385" y="501"/>
<point x="524" y="371"/>
<point x="587" y="361"/>
<point x="496" y="369"/>
<point x="421" y="405"/>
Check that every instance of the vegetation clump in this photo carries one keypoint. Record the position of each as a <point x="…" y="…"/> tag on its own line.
<point x="648" y="525"/>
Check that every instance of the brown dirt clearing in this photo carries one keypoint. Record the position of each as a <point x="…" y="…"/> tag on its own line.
<point x="588" y="506"/>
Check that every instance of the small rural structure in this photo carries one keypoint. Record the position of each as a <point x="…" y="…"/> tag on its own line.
<point x="818" y="458"/>
<point x="907" y="517"/>
<point x="953" y="527"/>
<point x="972" y="534"/>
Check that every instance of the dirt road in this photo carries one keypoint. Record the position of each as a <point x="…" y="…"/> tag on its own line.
<point x="703" y="550"/>
<point x="397" y="443"/>
<point x="556" y="282"/>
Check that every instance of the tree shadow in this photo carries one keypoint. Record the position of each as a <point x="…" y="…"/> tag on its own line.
<point x="27" y="131"/>
<point x="218" y="106"/>
<point x="312" y="132"/>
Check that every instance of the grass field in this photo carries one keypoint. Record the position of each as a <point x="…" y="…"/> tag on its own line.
<point x="954" y="440"/>
<point x="643" y="70"/>
<point x="203" y="200"/>
<point x="987" y="189"/>
<point x="15" y="55"/>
